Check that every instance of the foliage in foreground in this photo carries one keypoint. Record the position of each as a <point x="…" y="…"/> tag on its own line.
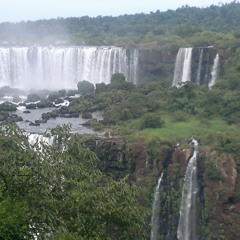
<point x="58" y="192"/>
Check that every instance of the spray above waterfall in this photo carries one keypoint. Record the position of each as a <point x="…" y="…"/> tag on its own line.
<point x="64" y="67"/>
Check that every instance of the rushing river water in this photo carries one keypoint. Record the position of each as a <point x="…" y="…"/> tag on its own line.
<point x="36" y="114"/>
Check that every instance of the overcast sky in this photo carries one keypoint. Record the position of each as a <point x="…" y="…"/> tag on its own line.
<point x="18" y="10"/>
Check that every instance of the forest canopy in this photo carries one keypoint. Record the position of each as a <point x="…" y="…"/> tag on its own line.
<point x="156" y="29"/>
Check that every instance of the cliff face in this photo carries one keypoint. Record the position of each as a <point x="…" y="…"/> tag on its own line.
<point x="159" y="64"/>
<point x="155" y="64"/>
<point x="218" y="178"/>
<point x="222" y="198"/>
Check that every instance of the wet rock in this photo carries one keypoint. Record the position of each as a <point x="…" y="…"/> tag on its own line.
<point x="63" y="110"/>
<point x="31" y="106"/>
<point x="15" y="118"/>
<point x="27" y="111"/>
<point x="41" y="121"/>
<point x="4" y="116"/>
<point x="90" y="123"/>
<point x="87" y="115"/>
<point x="45" y="103"/>
<point x="49" y="115"/>
<point x="34" y="124"/>
<point x="22" y="104"/>
<point x="59" y="100"/>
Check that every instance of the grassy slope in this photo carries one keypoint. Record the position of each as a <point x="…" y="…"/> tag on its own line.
<point x="192" y="126"/>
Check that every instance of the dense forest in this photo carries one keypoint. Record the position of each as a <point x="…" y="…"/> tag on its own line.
<point x="91" y="187"/>
<point x="170" y="29"/>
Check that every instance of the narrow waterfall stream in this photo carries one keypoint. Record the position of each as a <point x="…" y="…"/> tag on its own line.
<point x="188" y="212"/>
<point x="214" y="72"/>
<point x="199" y="67"/>
<point x="156" y="210"/>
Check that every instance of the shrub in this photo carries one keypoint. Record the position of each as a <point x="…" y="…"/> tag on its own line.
<point x="118" y="82"/>
<point x="33" y="98"/>
<point x="85" y="87"/>
<point x="151" y="120"/>
<point x="213" y="171"/>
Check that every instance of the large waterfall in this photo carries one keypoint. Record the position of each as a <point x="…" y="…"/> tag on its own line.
<point x="188" y="211"/>
<point x="156" y="210"/>
<point x="196" y="64"/>
<point x="214" y="72"/>
<point x="64" y="67"/>
<point x="182" y="71"/>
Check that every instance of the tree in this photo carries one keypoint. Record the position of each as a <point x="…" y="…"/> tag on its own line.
<point x="85" y="87"/>
<point x="33" y="97"/>
<point x="118" y="81"/>
<point x="151" y="120"/>
<point x="57" y="191"/>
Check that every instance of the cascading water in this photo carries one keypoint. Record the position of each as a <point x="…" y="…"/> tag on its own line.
<point x="64" y="67"/>
<point x="133" y="69"/>
<point x="182" y="71"/>
<point x="156" y="210"/>
<point x="214" y="72"/>
<point x="199" y="67"/>
<point x="188" y="211"/>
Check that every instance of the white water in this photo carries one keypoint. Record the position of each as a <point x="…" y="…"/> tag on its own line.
<point x="182" y="71"/>
<point x="63" y="67"/>
<point x="156" y="210"/>
<point x="214" y="72"/>
<point x="199" y="67"/>
<point x="188" y="213"/>
<point x="34" y="138"/>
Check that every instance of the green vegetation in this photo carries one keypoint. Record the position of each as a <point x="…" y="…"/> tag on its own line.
<point x="7" y="107"/>
<point x="151" y="120"/>
<point x="33" y="97"/>
<point x="170" y="29"/>
<point x="62" y="194"/>
<point x="85" y="87"/>
<point x="213" y="171"/>
<point x="172" y="114"/>
<point x="52" y="192"/>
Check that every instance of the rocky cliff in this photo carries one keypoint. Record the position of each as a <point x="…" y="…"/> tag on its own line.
<point x="218" y="180"/>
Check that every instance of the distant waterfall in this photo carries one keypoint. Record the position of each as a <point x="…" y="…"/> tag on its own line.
<point x="182" y="71"/>
<point x="156" y="210"/>
<point x="199" y="67"/>
<point x="188" y="212"/>
<point x="133" y="69"/>
<point x="64" y="67"/>
<point x="214" y="72"/>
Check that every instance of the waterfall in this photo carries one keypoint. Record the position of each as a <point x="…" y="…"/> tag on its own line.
<point x="214" y="72"/>
<point x="199" y="67"/>
<point x="133" y="73"/>
<point x="64" y="67"/>
<point x="156" y="211"/>
<point x="182" y="71"/>
<point x="188" y="212"/>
